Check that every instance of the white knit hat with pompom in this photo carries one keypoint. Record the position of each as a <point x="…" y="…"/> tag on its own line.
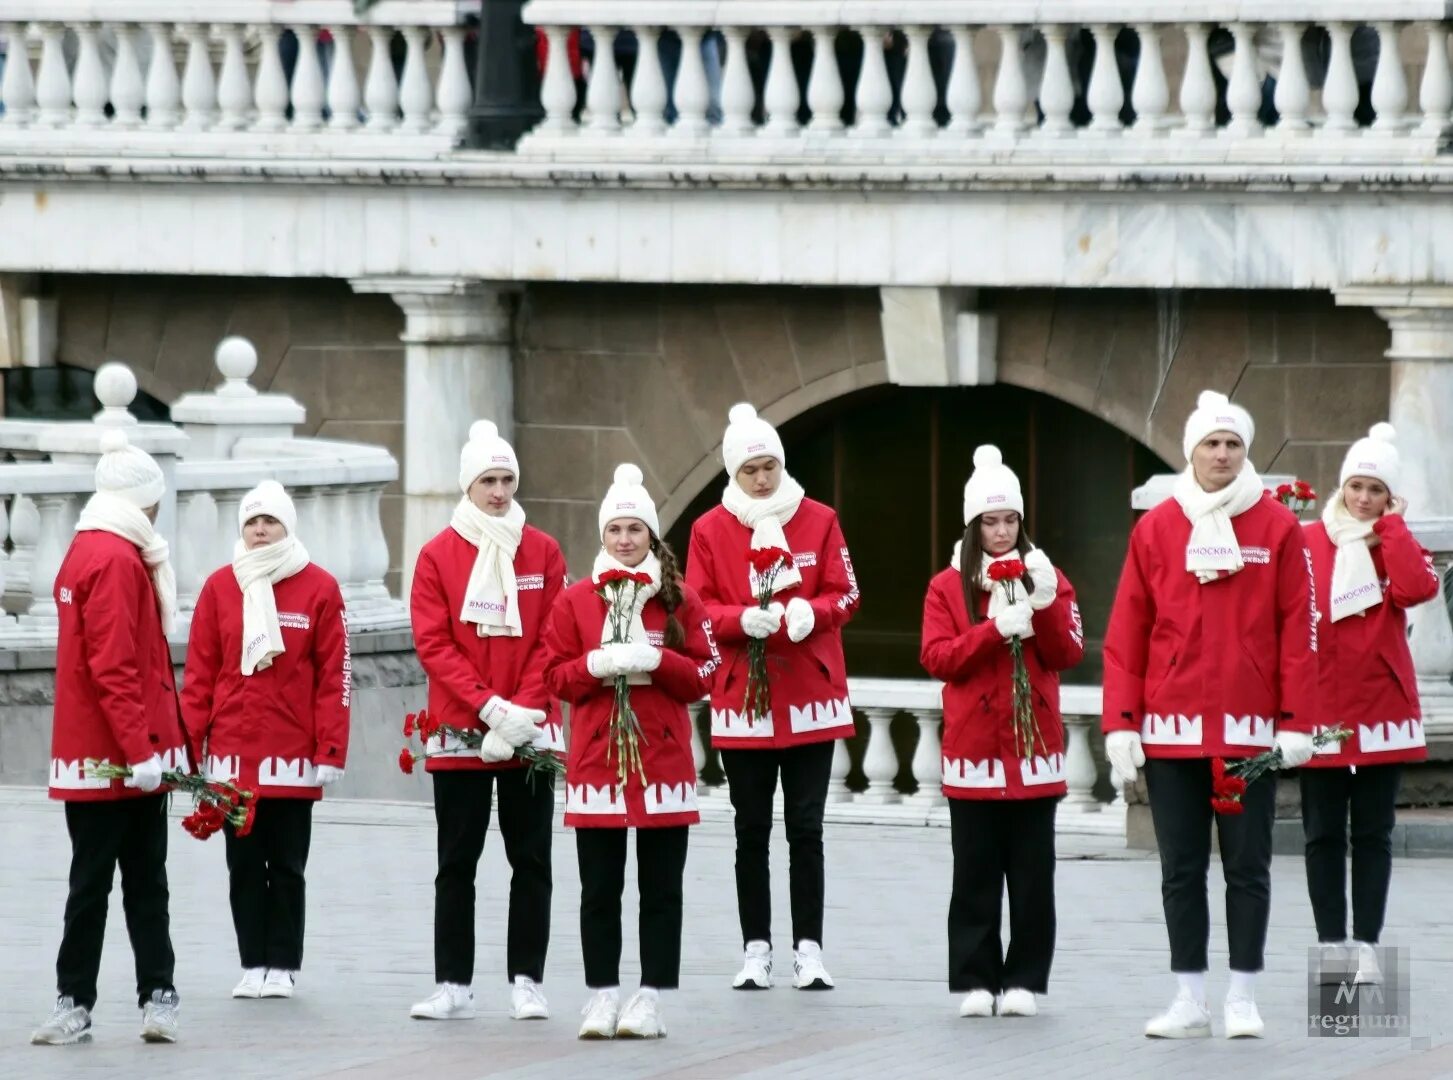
<point x="128" y="472"/>
<point x="748" y="436"/>
<point x="992" y="487"/>
<point x="1214" y="412"/>
<point x="485" y="450"/>
<point x="1376" y="457"/>
<point x="627" y="498"/>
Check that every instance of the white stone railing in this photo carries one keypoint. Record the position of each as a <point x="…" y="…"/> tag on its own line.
<point x="208" y="77"/>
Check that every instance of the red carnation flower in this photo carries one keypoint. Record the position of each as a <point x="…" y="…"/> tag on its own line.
<point x="408" y="725"/>
<point x="641" y="578"/>
<point x="426" y="725"/>
<point x="1304" y="491"/>
<point x="764" y="559"/>
<point x="1006" y="570"/>
<point x="1283" y="491"/>
<point x="1227" y="806"/>
<point x="610" y="577"/>
<point x="249" y="818"/>
<point x="406" y="761"/>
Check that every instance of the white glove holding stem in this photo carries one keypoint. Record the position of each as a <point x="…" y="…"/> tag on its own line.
<point x="145" y="776"/>
<point x="1125" y="754"/>
<point x="1014" y="620"/>
<point x="762" y="622"/>
<point x="1296" y="748"/>
<point x="329" y="775"/>
<point x="633" y="657"/>
<point x="1046" y="581"/>
<point x="513" y="724"/>
<point x="601" y="664"/>
<point x="800" y="619"/>
<point x="494" y="749"/>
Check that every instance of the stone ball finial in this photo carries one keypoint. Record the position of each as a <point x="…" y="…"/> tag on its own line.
<point x="236" y="359"/>
<point x="115" y="385"/>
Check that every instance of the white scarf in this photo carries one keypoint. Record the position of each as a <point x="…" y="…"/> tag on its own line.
<point x="105" y="512"/>
<point x="766" y="517"/>
<point x="257" y="571"/>
<point x="491" y="599"/>
<point x="1355" y="586"/>
<point x="1213" y="550"/>
<point x="998" y="600"/>
<point x="635" y="630"/>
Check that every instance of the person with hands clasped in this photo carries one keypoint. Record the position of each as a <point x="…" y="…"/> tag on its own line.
<point x="763" y="507"/>
<point x="1211" y="652"/>
<point x="1369" y="571"/>
<point x="116" y="702"/>
<point x="620" y="775"/>
<point x="481" y="592"/>
<point x="266" y="703"/>
<point x="1002" y="792"/>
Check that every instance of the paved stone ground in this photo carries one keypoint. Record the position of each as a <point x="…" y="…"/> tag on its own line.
<point x="368" y="958"/>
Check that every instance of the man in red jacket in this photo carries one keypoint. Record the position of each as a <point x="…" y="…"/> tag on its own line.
<point x="116" y="703"/>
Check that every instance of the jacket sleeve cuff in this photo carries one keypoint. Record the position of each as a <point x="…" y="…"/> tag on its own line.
<point x="1390" y="525"/>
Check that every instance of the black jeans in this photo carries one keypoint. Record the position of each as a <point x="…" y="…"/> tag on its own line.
<point x="1371" y="795"/>
<point x="660" y="866"/>
<point x="133" y="833"/>
<point x="1180" y="810"/>
<point x="526" y="811"/>
<point x="997" y="842"/>
<point x="752" y="779"/>
<point x="266" y="884"/>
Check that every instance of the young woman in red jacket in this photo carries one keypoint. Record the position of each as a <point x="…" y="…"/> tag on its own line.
<point x="1369" y="571"/>
<point x="1002" y="794"/>
<point x="116" y="702"/>
<point x="266" y="701"/>
<point x="482" y="589"/>
<point x="1211" y="653"/>
<point x="668" y="656"/>
<point x="763" y="507"/>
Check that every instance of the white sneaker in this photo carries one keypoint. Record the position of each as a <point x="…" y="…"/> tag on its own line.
<point x="1018" y="1003"/>
<point x="68" y="1023"/>
<point x="1336" y="963"/>
<point x="1369" y="970"/>
<point x="1185" y="1019"/>
<point x="641" y="1018"/>
<point x="159" y="1019"/>
<point x="807" y="970"/>
<point x="602" y="1013"/>
<point x="277" y="984"/>
<point x="527" y="1000"/>
<point x="451" y="1001"/>
<point x="977" y="1003"/>
<point x="1243" y="1020"/>
<point x="756" y="973"/>
<point x="250" y="985"/>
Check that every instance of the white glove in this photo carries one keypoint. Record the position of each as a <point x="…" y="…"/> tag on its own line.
<point x="509" y="721"/>
<point x="1046" y="581"/>
<point x="145" y="776"/>
<point x="633" y="657"/>
<point x="1014" y="620"/>
<point x="1296" y="748"/>
<point x="329" y="774"/>
<point x="800" y="619"/>
<point x="762" y="622"/>
<point x="494" y="749"/>
<point x="601" y="664"/>
<point x="1125" y="754"/>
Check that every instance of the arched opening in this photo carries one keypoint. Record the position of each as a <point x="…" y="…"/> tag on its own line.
<point x="893" y="461"/>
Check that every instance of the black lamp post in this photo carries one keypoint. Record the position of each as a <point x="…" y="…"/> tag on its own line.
<point x="506" y="78"/>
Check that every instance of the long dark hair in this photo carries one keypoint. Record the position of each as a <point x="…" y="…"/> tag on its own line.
<point x="971" y="557"/>
<point x="670" y="592"/>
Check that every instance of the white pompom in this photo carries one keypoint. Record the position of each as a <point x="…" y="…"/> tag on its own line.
<point x="481" y="430"/>
<point x="987" y="456"/>
<point x="1382" y="432"/>
<point x="742" y="413"/>
<point x="629" y="475"/>
<point x="113" y="440"/>
<point x="1210" y="399"/>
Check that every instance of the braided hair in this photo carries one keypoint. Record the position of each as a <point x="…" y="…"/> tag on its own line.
<point x="670" y="592"/>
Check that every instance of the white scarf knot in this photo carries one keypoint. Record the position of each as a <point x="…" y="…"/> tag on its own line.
<point x="491" y="598"/>
<point x="105" y="512"/>
<point x="1355" y="586"/>
<point x="635" y="628"/>
<point x="766" y="518"/>
<point x="257" y="571"/>
<point x="1213" y="550"/>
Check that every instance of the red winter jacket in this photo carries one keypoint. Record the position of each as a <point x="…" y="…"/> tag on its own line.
<point x="1212" y="670"/>
<point x="466" y="670"/>
<point x="1367" y="682"/>
<point x="115" y="693"/>
<point x="980" y="760"/>
<point x="809" y="680"/>
<point x="593" y="795"/>
<point x="267" y="732"/>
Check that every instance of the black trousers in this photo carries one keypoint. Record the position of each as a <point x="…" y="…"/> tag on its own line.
<point x="1180" y="810"/>
<point x="132" y="833"/>
<point x="526" y="811"/>
<point x="752" y="779"/>
<point x="1004" y="841"/>
<point x="660" y="866"/>
<point x="267" y="889"/>
<point x="1371" y="795"/>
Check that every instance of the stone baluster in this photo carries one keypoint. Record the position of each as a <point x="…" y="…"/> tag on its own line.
<point x="196" y="532"/>
<point x="163" y="88"/>
<point x="648" y="87"/>
<point x="824" y="85"/>
<point x="88" y="84"/>
<point x="128" y="88"/>
<point x="963" y="95"/>
<point x="781" y="96"/>
<point x="557" y="87"/>
<point x="226" y="527"/>
<point x="17" y="87"/>
<point x="1243" y="93"/>
<point x="837" y="782"/>
<point x="1435" y="94"/>
<point x="1198" y="88"/>
<point x="335" y="514"/>
<point x="416" y="96"/>
<point x="1390" y="85"/>
<point x="602" y="93"/>
<point x="1149" y="92"/>
<point x="307" y="501"/>
<point x="234" y="89"/>
<point x="307" y="90"/>
<point x="344" y="96"/>
<point x="927" y="762"/>
<point x="919" y="94"/>
<point x="737" y="94"/>
<point x="1105" y="95"/>
<point x="1080" y="771"/>
<point x="58" y="513"/>
<point x="199" y="84"/>
<point x="4" y="555"/>
<point x="880" y="763"/>
<point x="53" y="81"/>
<point x="1293" y="96"/>
<point x="1056" y="93"/>
<point x="1339" y="93"/>
<point x="370" y="554"/>
<point x="455" y="95"/>
<point x="875" y="92"/>
<point x="271" y="91"/>
<point x="24" y="535"/>
<point x="1011" y="92"/>
<point x="381" y="89"/>
<point x="692" y="97"/>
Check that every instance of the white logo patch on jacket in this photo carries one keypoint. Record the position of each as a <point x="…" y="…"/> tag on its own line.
<point x="1256" y="556"/>
<point x="294" y="620"/>
<point x="530" y="582"/>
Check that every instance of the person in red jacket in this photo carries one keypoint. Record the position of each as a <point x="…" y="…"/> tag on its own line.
<point x="116" y="703"/>
<point x="1002" y="793"/>
<point x="667" y="653"/>
<point x="763" y="507"/>
<point x="482" y="589"/>
<point x="1211" y="653"/>
<point x="1369" y="571"/>
<point x="266" y="702"/>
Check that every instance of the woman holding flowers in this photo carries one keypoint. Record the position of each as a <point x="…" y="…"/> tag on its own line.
<point x="1369" y="571"/>
<point x="1211" y="654"/>
<point x="482" y="589"/>
<point x="774" y="572"/>
<point x="998" y="636"/>
<point x="266" y="702"/>
<point x="630" y="648"/>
